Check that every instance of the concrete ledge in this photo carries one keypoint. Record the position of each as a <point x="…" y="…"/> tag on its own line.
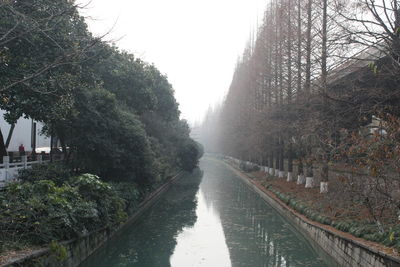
<point x="338" y="245"/>
<point x="81" y="248"/>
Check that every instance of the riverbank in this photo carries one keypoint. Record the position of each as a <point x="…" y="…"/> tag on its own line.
<point x="345" y="248"/>
<point x="73" y="252"/>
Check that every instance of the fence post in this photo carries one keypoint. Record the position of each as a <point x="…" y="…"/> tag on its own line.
<point x="24" y="160"/>
<point x="6" y="162"/>
<point x="40" y="159"/>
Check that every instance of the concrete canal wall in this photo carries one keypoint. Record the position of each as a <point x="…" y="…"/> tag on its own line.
<point x="345" y="250"/>
<point x="72" y="253"/>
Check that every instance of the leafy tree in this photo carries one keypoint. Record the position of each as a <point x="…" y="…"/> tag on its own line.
<point x="189" y="154"/>
<point x="166" y="106"/>
<point x="114" y="113"/>
<point x="125" y="76"/>
<point x="42" y="43"/>
<point x="105" y="139"/>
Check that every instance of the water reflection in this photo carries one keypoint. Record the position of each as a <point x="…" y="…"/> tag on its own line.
<point x="255" y="234"/>
<point x="151" y="240"/>
<point x="212" y="221"/>
<point x="204" y="243"/>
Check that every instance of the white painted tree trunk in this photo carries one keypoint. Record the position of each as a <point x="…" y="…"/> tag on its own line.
<point x="289" y="176"/>
<point x="309" y="182"/>
<point x="281" y="174"/>
<point x="301" y="179"/>
<point x="276" y="172"/>
<point x="324" y="187"/>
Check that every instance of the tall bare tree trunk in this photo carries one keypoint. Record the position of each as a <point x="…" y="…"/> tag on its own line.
<point x="289" y="86"/>
<point x="277" y="157"/>
<point x="300" y="172"/>
<point x="324" y="55"/>
<point x="280" y="62"/>
<point x="281" y="88"/>
<point x="276" y="63"/>
<point x="307" y="84"/>
<point x="282" y="158"/>
<point x="289" y="54"/>
<point x="271" y="162"/>
<point x="299" y="40"/>
<point x="309" y="173"/>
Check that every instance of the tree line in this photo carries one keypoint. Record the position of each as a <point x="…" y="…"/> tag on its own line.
<point x="313" y="75"/>
<point x="114" y="114"/>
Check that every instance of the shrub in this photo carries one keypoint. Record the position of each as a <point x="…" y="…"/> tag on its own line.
<point x="189" y="155"/>
<point x="40" y="211"/>
<point x="109" y="205"/>
<point x="56" y="172"/>
<point x="130" y="193"/>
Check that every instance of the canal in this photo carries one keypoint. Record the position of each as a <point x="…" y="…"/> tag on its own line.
<point x="209" y="218"/>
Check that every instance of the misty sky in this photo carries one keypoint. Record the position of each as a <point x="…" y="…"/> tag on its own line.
<point x="196" y="43"/>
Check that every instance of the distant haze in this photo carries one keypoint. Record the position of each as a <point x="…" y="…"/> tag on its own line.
<point x="195" y="43"/>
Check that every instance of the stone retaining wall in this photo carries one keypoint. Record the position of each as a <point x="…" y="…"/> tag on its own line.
<point x="79" y="249"/>
<point x="345" y="251"/>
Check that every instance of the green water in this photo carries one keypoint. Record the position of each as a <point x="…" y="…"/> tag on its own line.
<point x="209" y="218"/>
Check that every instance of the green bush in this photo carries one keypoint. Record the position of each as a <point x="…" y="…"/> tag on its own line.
<point x="40" y="211"/>
<point x="56" y="172"/>
<point x="388" y="242"/>
<point x="189" y="155"/>
<point x="326" y="220"/>
<point x="130" y="193"/>
<point x="109" y="205"/>
<point x="59" y="251"/>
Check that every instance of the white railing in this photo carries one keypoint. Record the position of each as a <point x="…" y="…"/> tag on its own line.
<point x="9" y="170"/>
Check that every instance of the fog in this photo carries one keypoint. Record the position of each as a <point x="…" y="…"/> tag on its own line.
<point x="195" y="43"/>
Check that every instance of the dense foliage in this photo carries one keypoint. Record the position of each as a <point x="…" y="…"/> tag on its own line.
<point x="40" y="211"/>
<point x="57" y="173"/>
<point x="189" y="154"/>
<point x="115" y="115"/>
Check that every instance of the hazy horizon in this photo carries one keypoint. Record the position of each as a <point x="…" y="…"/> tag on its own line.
<point x="195" y="43"/>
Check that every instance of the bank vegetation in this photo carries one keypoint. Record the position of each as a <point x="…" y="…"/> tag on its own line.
<point x="115" y="116"/>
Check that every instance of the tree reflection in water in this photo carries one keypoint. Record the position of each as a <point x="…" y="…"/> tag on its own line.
<point x="151" y="240"/>
<point x="255" y="234"/>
